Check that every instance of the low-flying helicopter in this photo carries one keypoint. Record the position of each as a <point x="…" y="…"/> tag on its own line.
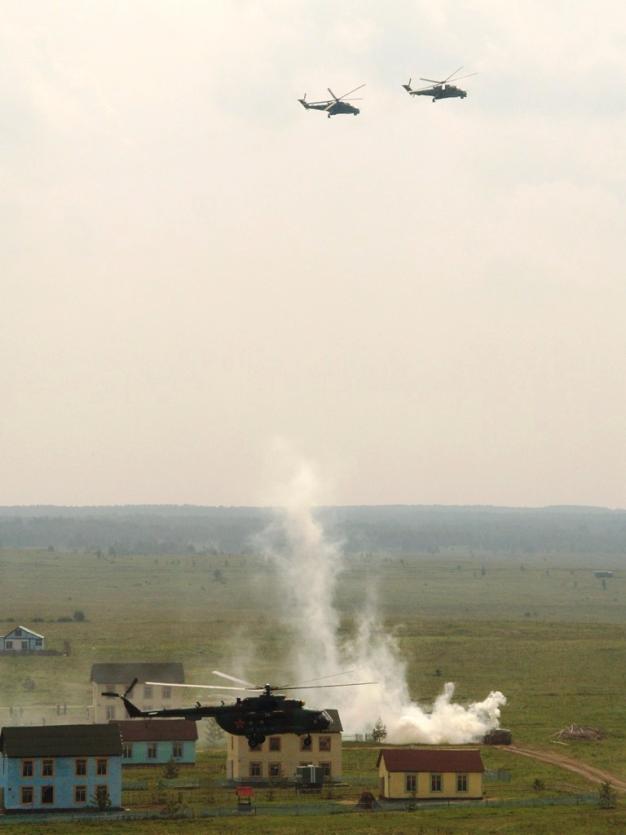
<point x="442" y="89"/>
<point x="334" y="106"/>
<point x="254" y="717"/>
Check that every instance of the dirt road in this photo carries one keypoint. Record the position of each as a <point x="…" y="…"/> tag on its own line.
<point x="595" y="775"/>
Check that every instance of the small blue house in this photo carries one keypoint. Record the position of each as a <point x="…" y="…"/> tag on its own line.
<point x="54" y="767"/>
<point x="157" y="741"/>
<point x="20" y="639"/>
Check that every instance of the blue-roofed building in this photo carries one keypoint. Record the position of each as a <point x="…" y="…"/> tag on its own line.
<point x="54" y="767"/>
<point x="157" y="741"/>
<point x="21" y="639"/>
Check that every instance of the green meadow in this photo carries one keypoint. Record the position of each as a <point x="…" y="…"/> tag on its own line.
<point x="542" y="629"/>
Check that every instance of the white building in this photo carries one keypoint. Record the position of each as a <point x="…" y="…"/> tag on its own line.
<point x="117" y="677"/>
<point x="20" y="639"/>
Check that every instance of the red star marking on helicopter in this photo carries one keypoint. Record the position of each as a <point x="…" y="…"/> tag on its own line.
<point x="239" y="723"/>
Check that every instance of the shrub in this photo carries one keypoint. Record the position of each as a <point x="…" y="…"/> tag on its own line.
<point x="607" y="798"/>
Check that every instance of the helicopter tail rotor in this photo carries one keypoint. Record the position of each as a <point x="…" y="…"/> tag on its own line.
<point x="303" y="102"/>
<point x="407" y="86"/>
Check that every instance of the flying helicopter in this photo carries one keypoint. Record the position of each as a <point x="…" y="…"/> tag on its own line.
<point x="442" y="89"/>
<point x="334" y="106"/>
<point x="254" y="717"/>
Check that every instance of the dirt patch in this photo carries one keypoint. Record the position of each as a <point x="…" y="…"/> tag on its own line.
<point x="590" y="772"/>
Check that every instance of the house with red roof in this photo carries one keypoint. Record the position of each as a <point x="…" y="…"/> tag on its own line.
<point x="430" y="773"/>
<point x="157" y="741"/>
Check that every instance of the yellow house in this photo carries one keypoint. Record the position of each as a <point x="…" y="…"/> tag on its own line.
<point x="278" y="757"/>
<point x="430" y="773"/>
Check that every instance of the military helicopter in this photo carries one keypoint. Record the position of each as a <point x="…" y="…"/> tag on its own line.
<point x="254" y="717"/>
<point x="334" y="106"/>
<point x="442" y="89"/>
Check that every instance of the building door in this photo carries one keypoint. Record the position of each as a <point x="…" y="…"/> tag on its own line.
<point x="24" y="645"/>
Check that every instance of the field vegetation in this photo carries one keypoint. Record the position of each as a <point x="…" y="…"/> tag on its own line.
<point x="541" y="628"/>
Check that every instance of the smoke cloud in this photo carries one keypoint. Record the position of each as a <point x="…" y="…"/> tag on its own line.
<point x="308" y="569"/>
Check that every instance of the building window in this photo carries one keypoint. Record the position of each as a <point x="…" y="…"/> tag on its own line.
<point x="147" y="692"/>
<point x="38" y="642"/>
<point x="8" y="644"/>
<point x="152" y="751"/>
<point x="18" y="633"/>
<point x="255" y="769"/>
<point x="81" y="768"/>
<point x="80" y="794"/>
<point x="274" y="769"/>
<point x="325" y="743"/>
<point x="27" y="768"/>
<point x="127" y="751"/>
<point x="326" y="769"/>
<point x="435" y="782"/>
<point x="47" y="768"/>
<point x="274" y="743"/>
<point x="110" y="712"/>
<point x="101" y="767"/>
<point x="47" y="794"/>
<point x="27" y="795"/>
<point x="177" y="750"/>
<point x="257" y="747"/>
<point x="410" y="782"/>
<point x="461" y="782"/>
<point x="166" y="692"/>
<point x="306" y="743"/>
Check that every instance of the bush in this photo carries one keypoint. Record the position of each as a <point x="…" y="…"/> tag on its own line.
<point x="170" y="772"/>
<point x="79" y="615"/>
<point x="102" y="799"/>
<point x="379" y="731"/>
<point x="607" y="798"/>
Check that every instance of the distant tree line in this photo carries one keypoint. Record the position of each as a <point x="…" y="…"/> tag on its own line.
<point x="210" y="531"/>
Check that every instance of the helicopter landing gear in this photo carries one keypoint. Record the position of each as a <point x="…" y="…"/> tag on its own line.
<point x="254" y="740"/>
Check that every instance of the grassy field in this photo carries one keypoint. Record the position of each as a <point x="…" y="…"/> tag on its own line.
<point x="542" y="629"/>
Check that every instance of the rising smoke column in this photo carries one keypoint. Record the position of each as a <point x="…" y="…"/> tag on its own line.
<point x="308" y="568"/>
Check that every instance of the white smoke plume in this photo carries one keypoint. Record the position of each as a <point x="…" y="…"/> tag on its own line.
<point x="308" y="568"/>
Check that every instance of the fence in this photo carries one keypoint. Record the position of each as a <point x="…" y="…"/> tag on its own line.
<point x="297" y="810"/>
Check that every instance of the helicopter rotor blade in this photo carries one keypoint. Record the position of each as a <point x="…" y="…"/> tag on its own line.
<point x="469" y="75"/>
<point x="332" y="94"/>
<point x="349" y="93"/>
<point x="324" y="686"/>
<point x="220" y="687"/>
<point x="451" y="74"/>
<point x="232" y="678"/>
<point x="321" y="678"/>
<point x="431" y="80"/>
<point x="129" y="689"/>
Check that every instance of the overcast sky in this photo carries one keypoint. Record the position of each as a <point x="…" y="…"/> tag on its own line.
<point x="428" y="301"/>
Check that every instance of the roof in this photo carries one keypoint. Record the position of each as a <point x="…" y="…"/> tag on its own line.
<point x="158" y="730"/>
<point x="443" y="760"/>
<point x="61" y="741"/>
<point x="124" y="673"/>
<point x="25" y="629"/>
<point x="335" y="726"/>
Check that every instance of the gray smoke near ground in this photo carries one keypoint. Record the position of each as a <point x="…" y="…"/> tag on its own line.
<point x="308" y="569"/>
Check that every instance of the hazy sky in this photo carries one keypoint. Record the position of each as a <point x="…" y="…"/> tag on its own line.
<point x="427" y="300"/>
